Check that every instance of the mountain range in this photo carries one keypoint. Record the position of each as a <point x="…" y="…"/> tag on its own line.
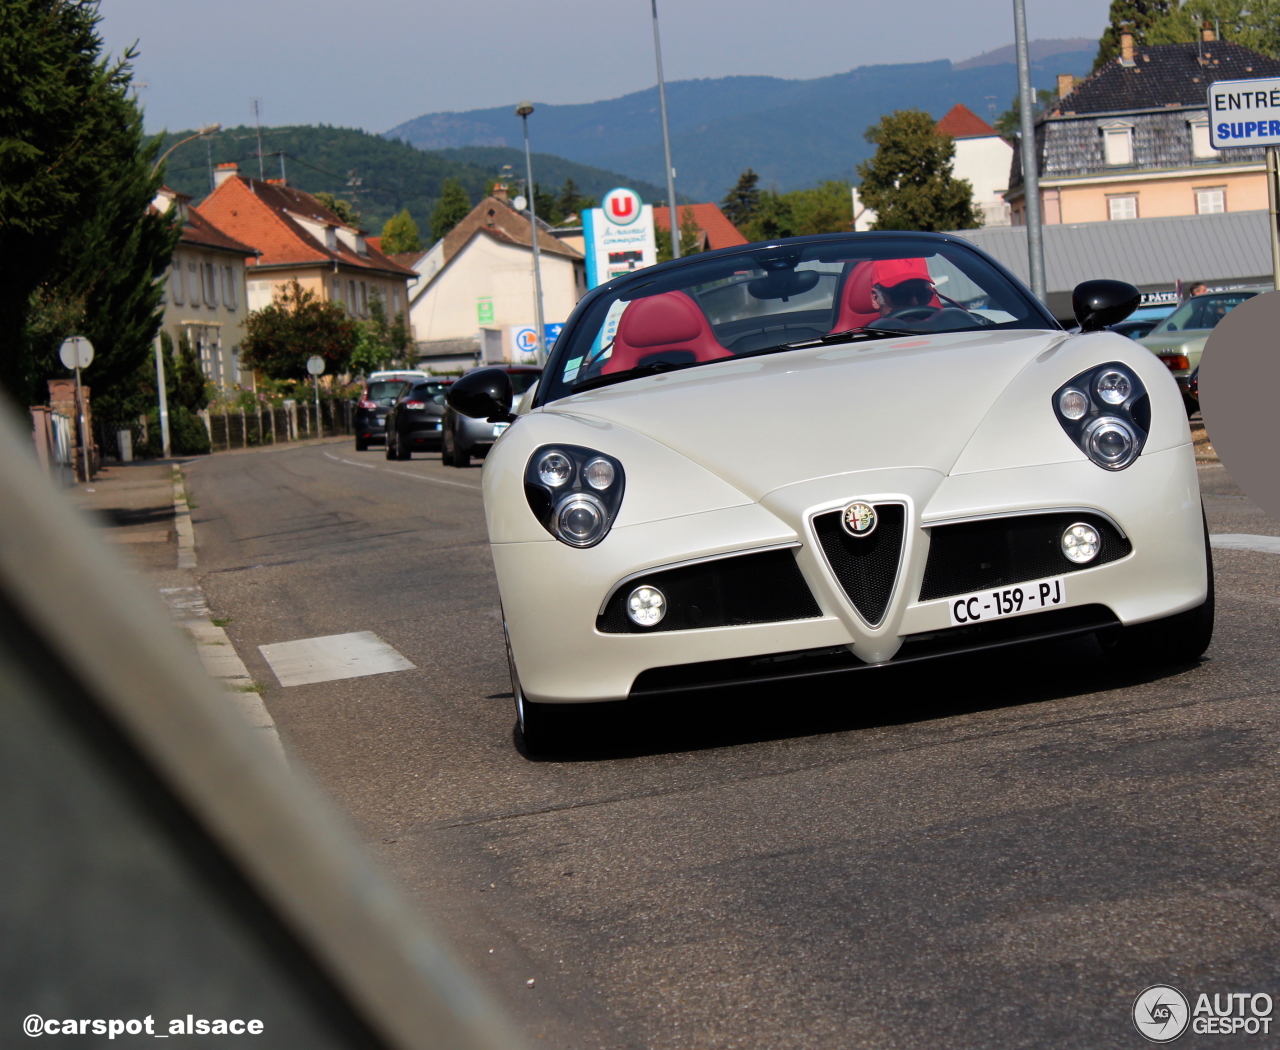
<point x="794" y="133"/>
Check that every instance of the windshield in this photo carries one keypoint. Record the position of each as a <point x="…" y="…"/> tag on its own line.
<point x="384" y="393"/>
<point x="427" y="392"/>
<point x="1202" y="312"/>
<point x="521" y="381"/>
<point x="770" y="300"/>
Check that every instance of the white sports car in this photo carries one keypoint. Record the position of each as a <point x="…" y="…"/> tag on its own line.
<point x="791" y="462"/>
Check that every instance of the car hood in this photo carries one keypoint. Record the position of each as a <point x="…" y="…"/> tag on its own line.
<point x="781" y="419"/>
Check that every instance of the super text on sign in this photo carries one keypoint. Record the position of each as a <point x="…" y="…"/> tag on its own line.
<point x="1244" y="114"/>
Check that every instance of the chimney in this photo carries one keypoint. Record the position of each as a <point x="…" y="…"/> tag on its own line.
<point x="225" y="171"/>
<point x="500" y="191"/>
<point x="1126" y="48"/>
<point x="1207" y="34"/>
<point x="1066" y="83"/>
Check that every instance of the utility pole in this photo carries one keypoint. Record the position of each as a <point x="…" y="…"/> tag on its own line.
<point x="262" y="175"/>
<point x="164" y="400"/>
<point x="666" y="138"/>
<point x="1030" y="157"/>
<point x="522" y="111"/>
<point x="1273" y="203"/>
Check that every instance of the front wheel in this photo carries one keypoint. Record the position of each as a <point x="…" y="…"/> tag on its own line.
<point x="446" y="446"/>
<point x="540" y="724"/>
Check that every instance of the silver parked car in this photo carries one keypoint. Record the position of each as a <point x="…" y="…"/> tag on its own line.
<point x="464" y="437"/>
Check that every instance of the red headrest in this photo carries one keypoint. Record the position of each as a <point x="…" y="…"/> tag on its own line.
<point x="856" y="309"/>
<point x="667" y="321"/>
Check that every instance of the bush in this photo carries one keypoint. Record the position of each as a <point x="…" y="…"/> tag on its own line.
<point x="188" y="436"/>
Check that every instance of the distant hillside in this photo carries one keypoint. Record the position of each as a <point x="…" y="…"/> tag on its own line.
<point x="793" y="132"/>
<point x="392" y="175"/>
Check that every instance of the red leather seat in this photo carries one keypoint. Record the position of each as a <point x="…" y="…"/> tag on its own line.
<point x="856" y="309"/>
<point x="665" y="322"/>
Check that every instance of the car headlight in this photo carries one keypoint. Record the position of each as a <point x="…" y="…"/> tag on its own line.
<point x="1107" y="413"/>
<point x="574" y="491"/>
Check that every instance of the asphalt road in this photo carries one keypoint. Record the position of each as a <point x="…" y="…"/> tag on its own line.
<point x="996" y="852"/>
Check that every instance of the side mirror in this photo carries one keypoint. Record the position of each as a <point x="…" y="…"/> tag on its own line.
<point x="1100" y="304"/>
<point x="485" y="392"/>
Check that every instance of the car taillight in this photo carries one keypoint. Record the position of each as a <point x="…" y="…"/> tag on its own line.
<point x="366" y="403"/>
<point x="415" y="404"/>
<point x="1176" y="362"/>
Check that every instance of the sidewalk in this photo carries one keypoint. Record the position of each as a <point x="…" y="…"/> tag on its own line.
<point x="142" y="507"/>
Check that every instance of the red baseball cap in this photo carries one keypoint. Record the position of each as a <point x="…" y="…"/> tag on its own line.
<point x="890" y="272"/>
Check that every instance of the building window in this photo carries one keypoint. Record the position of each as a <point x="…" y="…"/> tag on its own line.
<point x="1211" y="200"/>
<point x="232" y="295"/>
<point x="193" y="282"/>
<point x="336" y="294"/>
<point x="395" y="301"/>
<point x="209" y="276"/>
<point x="364" y="299"/>
<point x="1123" y="207"/>
<point x="1117" y="143"/>
<point x="351" y="297"/>
<point x="1200" y="148"/>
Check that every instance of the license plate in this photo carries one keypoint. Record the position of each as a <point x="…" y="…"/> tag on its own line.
<point x="994" y="604"/>
<point x="382" y="420"/>
<point x="498" y="428"/>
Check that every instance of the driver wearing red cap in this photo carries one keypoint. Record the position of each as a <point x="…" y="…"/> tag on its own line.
<point x="900" y="284"/>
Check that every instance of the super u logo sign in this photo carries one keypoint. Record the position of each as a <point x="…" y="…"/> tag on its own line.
<point x="622" y="207"/>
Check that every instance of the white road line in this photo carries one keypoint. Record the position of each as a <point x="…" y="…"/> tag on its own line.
<point x="1242" y="541"/>
<point x="330" y="657"/>
<point x="404" y="474"/>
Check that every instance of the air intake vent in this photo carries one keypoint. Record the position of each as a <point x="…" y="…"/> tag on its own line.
<point x="975" y="555"/>
<point x="750" y="588"/>
<point x="866" y="566"/>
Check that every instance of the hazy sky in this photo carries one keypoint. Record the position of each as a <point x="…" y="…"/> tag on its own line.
<point x="376" y="63"/>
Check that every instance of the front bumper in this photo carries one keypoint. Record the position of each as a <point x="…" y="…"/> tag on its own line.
<point x="553" y="595"/>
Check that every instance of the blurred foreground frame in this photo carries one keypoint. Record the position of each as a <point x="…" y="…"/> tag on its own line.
<point x="157" y="859"/>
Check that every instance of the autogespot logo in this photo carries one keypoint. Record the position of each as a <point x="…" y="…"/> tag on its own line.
<point x="1161" y="1013"/>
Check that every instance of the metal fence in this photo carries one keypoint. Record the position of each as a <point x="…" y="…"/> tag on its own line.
<point x="231" y="428"/>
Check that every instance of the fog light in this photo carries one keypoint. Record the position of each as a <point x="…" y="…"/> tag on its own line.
<point x="581" y="520"/>
<point x="646" y="606"/>
<point x="1081" y="543"/>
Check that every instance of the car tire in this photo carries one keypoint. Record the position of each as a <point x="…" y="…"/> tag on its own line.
<point x="540" y="725"/>
<point x="460" y="458"/>
<point x="362" y="444"/>
<point x="1178" y="639"/>
<point x="446" y="453"/>
<point x="391" y="446"/>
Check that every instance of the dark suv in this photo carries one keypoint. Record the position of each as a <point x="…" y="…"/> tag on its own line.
<point x="372" y="409"/>
<point x="414" y="420"/>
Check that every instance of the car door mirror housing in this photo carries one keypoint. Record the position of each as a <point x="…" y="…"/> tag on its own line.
<point x="1100" y="304"/>
<point x="485" y="392"/>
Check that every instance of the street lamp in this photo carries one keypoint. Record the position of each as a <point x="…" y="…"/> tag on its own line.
<point x="522" y="111"/>
<point x="666" y="138"/>
<point x="208" y="129"/>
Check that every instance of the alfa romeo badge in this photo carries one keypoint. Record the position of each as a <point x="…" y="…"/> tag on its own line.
<point x="859" y="519"/>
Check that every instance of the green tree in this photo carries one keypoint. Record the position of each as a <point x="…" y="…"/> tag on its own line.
<point x="294" y="326"/>
<point x="909" y="182"/>
<point x="380" y="343"/>
<point x="79" y="250"/>
<point x="1009" y="123"/>
<point x="571" y="200"/>
<point x="400" y="234"/>
<point x="185" y="380"/>
<point x="690" y="235"/>
<point x="343" y="209"/>
<point x="1133" y="16"/>
<point x="741" y="202"/>
<point x="827" y="208"/>
<point x="1253" y="23"/>
<point x="453" y="206"/>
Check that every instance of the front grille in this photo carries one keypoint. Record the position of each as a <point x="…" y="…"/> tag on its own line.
<point x="977" y="555"/>
<point x="750" y="588"/>
<point x="866" y="566"/>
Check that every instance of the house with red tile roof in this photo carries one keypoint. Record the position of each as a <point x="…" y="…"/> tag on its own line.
<point x="982" y="159"/>
<point x="206" y="292"/>
<point x="477" y="283"/>
<point x="714" y="228"/>
<point x="298" y="238"/>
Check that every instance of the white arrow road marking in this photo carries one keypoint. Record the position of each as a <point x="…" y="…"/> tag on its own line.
<point x="332" y="656"/>
<point x="1242" y="541"/>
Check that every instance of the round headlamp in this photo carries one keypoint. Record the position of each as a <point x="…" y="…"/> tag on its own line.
<point x="646" y="606"/>
<point x="581" y="520"/>
<point x="1114" y="387"/>
<point x="1111" y="443"/>
<point x="1073" y="404"/>
<point x="599" y="474"/>
<point x="555" y="469"/>
<point x="1081" y="543"/>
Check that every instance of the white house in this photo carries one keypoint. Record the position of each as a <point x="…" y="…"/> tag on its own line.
<point x="477" y="285"/>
